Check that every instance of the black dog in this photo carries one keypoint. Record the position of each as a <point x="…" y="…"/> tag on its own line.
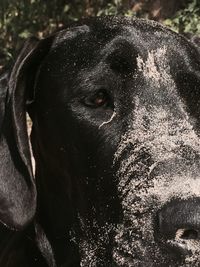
<point x="115" y="105"/>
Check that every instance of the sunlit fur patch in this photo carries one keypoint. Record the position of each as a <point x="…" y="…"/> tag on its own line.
<point x="93" y="241"/>
<point x="156" y="73"/>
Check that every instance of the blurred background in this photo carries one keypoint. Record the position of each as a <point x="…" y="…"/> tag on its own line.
<point x="20" y="19"/>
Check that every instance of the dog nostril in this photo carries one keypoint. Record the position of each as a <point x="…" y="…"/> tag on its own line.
<point x="178" y="227"/>
<point x="187" y="234"/>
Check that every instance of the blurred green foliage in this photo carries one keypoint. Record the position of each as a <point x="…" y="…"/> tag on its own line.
<point x="21" y="18"/>
<point x="186" y="20"/>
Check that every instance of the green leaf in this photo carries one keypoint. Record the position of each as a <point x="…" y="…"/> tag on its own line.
<point x="25" y="34"/>
<point x="66" y="8"/>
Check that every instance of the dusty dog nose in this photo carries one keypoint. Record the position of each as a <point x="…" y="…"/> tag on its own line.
<point x="179" y="225"/>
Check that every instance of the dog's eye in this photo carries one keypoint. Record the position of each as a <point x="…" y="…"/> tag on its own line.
<point x="99" y="99"/>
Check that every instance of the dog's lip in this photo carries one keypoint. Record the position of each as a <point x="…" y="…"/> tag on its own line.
<point x="179" y="246"/>
<point x="184" y="248"/>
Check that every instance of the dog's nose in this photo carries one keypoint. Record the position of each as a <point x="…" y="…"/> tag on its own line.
<point x="179" y="225"/>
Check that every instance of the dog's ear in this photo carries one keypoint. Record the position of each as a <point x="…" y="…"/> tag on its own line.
<point x="17" y="185"/>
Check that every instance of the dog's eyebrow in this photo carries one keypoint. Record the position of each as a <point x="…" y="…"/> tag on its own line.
<point x="121" y="55"/>
<point x="116" y="43"/>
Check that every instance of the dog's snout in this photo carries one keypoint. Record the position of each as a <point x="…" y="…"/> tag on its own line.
<point x="184" y="214"/>
<point x="178" y="225"/>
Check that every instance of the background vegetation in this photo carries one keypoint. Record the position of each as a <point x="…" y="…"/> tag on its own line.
<point x="22" y="18"/>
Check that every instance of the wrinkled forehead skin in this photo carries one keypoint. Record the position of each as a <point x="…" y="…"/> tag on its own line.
<point x="157" y="150"/>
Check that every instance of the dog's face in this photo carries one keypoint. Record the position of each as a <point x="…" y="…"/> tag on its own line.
<point x="116" y="105"/>
<point x="117" y="113"/>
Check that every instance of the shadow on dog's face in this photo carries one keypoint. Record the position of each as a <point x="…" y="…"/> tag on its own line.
<point x="115" y="109"/>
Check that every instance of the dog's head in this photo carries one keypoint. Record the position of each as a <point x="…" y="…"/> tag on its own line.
<point x="115" y="105"/>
